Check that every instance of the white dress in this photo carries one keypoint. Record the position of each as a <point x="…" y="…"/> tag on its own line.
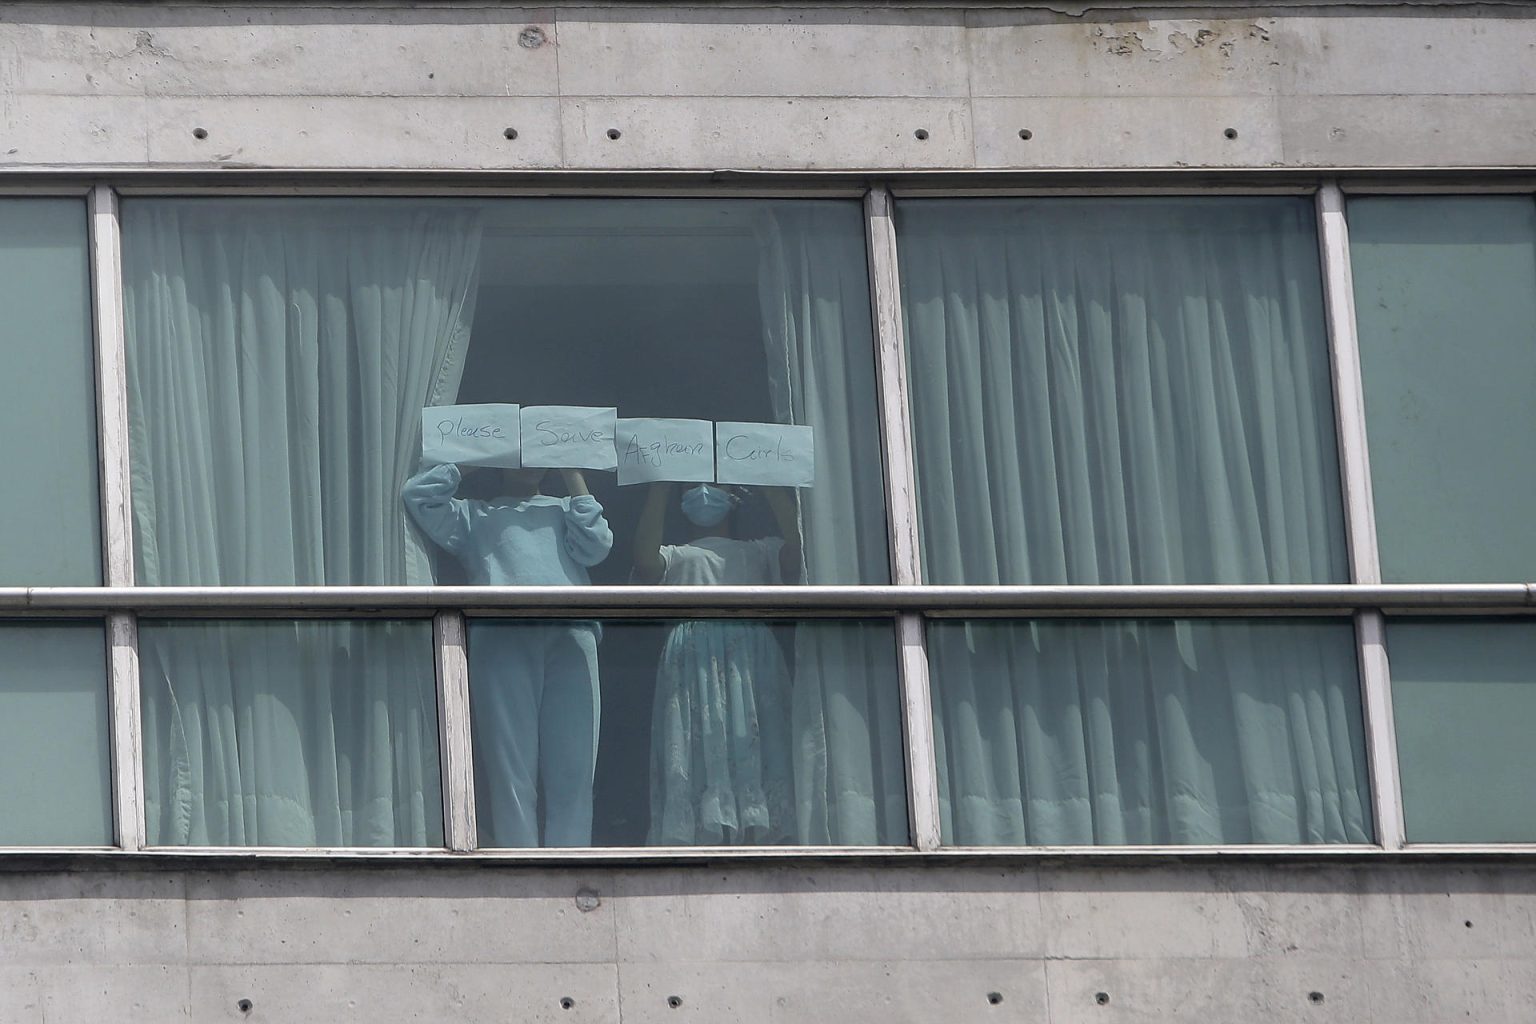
<point x="720" y="751"/>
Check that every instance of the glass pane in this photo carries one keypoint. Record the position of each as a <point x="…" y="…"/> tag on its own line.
<point x="1120" y="391"/>
<point x="1445" y="298"/>
<point x="1464" y="700"/>
<point x="1148" y="732"/>
<point x="282" y="354"/>
<point x="261" y="733"/>
<point x="720" y="732"/>
<point x="55" y="787"/>
<point x="47" y="396"/>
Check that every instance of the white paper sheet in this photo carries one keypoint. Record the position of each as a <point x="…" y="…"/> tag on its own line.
<point x="471" y="435"/>
<point x="661" y="449"/>
<point x="569" y="437"/>
<point x="773" y="454"/>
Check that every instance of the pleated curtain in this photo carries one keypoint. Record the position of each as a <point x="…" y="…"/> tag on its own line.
<point x="279" y="356"/>
<point x="1130" y="391"/>
<point x="850" y="786"/>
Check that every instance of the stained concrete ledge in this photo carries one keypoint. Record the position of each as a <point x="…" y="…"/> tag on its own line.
<point x="1351" y="942"/>
<point x="786" y="87"/>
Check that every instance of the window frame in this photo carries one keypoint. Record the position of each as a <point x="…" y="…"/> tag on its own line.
<point x="907" y="602"/>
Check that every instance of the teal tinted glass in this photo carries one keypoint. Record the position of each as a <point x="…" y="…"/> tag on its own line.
<point x="47" y="397"/>
<point x="715" y="732"/>
<point x="55" y="787"/>
<point x="1464" y="700"/>
<point x="268" y="733"/>
<point x="1148" y="732"/>
<point x="282" y="356"/>
<point x="1112" y="391"/>
<point x="1445" y="299"/>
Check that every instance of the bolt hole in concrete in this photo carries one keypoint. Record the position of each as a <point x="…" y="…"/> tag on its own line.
<point x="922" y="134"/>
<point x="199" y="133"/>
<point x="531" y="38"/>
<point x="510" y="133"/>
<point x="614" y="133"/>
<point x="1230" y="133"/>
<point x="1315" y="997"/>
<point x="566" y="1002"/>
<point x="994" y="998"/>
<point x="244" y="1006"/>
<point x="1467" y="923"/>
<point x="1102" y="998"/>
<point x="674" y="1001"/>
<point x="1026" y="134"/>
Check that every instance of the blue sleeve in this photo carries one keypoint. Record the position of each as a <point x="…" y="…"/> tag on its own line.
<point x="587" y="536"/>
<point x="428" y="497"/>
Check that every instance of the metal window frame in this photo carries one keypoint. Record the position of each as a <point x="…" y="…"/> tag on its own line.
<point x="907" y="603"/>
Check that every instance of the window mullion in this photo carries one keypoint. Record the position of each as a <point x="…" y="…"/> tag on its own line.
<point x="1359" y="514"/>
<point x="891" y="356"/>
<point x="1348" y="387"/>
<point x="116" y="522"/>
<point x="454" y="740"/>
<point x="901" y="500"/>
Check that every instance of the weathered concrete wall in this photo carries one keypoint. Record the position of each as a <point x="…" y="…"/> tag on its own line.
<point x="1391" y="943"/>
<point x="1303" y="84"/>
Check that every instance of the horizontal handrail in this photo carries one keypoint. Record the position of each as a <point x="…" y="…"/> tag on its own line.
<point x="649" y="600"/>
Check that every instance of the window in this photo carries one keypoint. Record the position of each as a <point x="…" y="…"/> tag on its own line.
<point x="506" y="524"/>
<point x="47" y="397"/>
<point x="1151" y="732"/>
<point x="312" y="733"/>
<point x="284" y="357"/>
<point x="1445" y="294"/>
<point x="1464" y="692"/>
<point x="759" y="732"/>
<point x="1120" y="391"/>
<point x="1130" y="391"/>
<point x="54" y="778"/>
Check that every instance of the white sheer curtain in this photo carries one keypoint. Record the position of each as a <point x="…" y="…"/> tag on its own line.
<point x="814" y="290"/>
<point x="279" y="357"/>
<point x="1130" y="391"/>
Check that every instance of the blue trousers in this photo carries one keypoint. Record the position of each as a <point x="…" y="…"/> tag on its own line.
<point x="534" y="704"/>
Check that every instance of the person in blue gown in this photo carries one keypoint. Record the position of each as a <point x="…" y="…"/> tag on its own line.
<point x="533" y="688"/>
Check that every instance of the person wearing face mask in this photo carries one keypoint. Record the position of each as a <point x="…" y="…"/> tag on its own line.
<point x="720" y="745"/>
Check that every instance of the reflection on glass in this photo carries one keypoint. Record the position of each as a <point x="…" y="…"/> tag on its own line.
<point x="1148" y="732"/>
<point x="54" y="745"/>
<point x="285" y="355"/>
<point x="743" y="748"/>
<point x="1464" y="699"/>
<point x="1120" y="391"/>
<point x="49" y="378"/>
<point x="1445" y="295"/>
<point x="270" y="733"/>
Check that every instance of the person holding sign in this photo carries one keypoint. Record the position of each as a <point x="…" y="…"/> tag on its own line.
<point x="720" y="739"/>
<point x="534" y="689"/>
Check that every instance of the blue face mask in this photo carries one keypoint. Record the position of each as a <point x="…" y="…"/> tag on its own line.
<point x="707" y="506"/>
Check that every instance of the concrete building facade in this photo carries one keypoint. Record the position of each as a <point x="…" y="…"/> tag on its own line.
<point x="872" y="103"/>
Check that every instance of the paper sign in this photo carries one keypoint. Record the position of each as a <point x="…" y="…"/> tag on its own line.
<point x="569" y="437"/>
<point x="776" y="454"/>
<point x="471" y="435"/>
<point x="665" y="450"/>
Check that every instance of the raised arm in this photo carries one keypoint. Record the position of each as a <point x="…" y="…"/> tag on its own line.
<point x="428" y="497"/>
<point x="784" y="505"/>
<point x="648" y="563"/>
<point x="587" y="535"/>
